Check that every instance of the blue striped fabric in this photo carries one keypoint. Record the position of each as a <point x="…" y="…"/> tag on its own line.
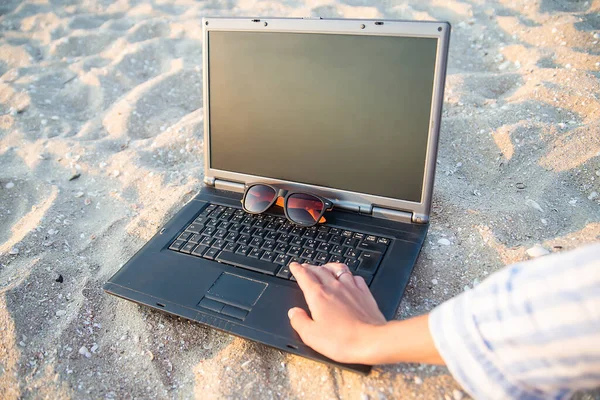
<point x="529" y="331"/>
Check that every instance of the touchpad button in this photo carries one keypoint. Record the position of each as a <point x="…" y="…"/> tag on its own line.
<point x="236" y="291"/>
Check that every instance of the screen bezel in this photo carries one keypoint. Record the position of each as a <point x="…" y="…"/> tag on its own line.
<point x="340" y="198"/>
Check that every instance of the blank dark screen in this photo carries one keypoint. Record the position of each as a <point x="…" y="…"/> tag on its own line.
<point x="347" y="112"/>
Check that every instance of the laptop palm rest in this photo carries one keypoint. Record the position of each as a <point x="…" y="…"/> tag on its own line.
<point x="233" y="295"/>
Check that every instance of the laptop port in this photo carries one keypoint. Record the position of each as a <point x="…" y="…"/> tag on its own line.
<point x="160" y="305"/>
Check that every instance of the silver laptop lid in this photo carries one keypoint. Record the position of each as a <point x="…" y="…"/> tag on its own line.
<point x="348" y="109"/>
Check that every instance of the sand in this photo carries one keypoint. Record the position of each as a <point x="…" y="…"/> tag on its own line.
<point x="101" y="143"/>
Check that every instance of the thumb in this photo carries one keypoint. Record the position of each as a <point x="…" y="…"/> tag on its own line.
<point x="301" y="322"/>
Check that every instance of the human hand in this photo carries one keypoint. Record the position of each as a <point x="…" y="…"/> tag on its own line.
<point x="344" y="312"/>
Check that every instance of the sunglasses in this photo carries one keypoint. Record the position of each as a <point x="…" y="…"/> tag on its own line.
<point x="301" y="208"/>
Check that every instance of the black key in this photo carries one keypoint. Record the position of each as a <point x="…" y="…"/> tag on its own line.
<point x="336" y="259"/>
<point x="248" y="220"/>
<point x="206" y="241"/>
<point x="261" y="233"/>
<point x="359" y="235"/>
<point x="347" y="234"/>
<point x="256" y="242"/>
<point x="224" y="225"/>
<point x="188" y="247"/>
<point x="282" y="248"/>
<point x="255" y="253"/>
<point x="220" y="233"/>
<point x="308" y="253"/>
<point x="209" y="231"/>
<point x="322" y="257"/>
<point x="280" y="220"/>
<point x="369" y="261"/>
<point x="268" y="245"/>
<point x="209" y="209"/>
<point x="385" y="241"/>
<point x="310" y="234"/>
<point x="350" y="242"/>
<point x="217" y="212"/>
<point x="284" y="238"/>
<point x="324" y="247"/>
<point x="243" y="250"/>
<point x="351" y="253"/>
<point x="367" y="277"/>
<point x="212" y="222"/>
<point x="198" y="251"/>
<point x="286" y="227"/>
<point x="196" y="238"/>
<point x="272" y="226"/>
<point x="219" y="244"/>
<point x="237" y="219"/>
<point x="248" y="263"/>
<point x="211" y="253"/>
<point x="185" y="236"/>
<point x="226" y="216"/>
<point x="261" y="223"/>
<point x="247" y="230"/>
<point x="323" y="228"/>
<point x="231" y="236"/>
<point x="235" y="227"/>
<point x="268" y="256"/>
<point x="311" y="244"/>
<point x="335" y="239"/>
<point x="195" y="228"/>
<point x="230" y="246"/>
<point x="371" y="238"/>
<point x="282" y="259"/>
<point x="244" y="239"/>
<point x="200" y="220"/>
<point x="296" y="241"/>
<point x="352" y="263"/>
<point x="337" y="250"/>
<point x="294" y="251"/>
<point x="335" y="231"/>
<point x="239" y="212"/>
<point x="297" y="231"/>
<point x="323" y="236"/>
<point x="305" y="261"/>
<point x="284" y="272"/>
<point x="372" y="246"/>
<point x="272" y="236"/>
<point x="268" y="218"/>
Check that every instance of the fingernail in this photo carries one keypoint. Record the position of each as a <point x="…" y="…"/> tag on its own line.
<point x="291" y="312"/>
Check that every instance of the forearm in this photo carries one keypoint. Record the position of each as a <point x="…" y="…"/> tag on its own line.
<point x="407" y="341"/>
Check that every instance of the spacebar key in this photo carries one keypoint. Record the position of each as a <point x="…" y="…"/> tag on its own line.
<point x="249" y="263"/>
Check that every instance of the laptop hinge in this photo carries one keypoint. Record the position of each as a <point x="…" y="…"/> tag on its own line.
<point x="394" y="215"/>
<point x="229" y="186"/>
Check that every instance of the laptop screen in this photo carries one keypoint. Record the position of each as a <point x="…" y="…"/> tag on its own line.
<point x="346" y="112"/>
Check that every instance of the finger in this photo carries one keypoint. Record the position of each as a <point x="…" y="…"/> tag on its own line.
<point x="335" y="269"/>
<point x="361" y="284"/>
<point x="368" y="296"/>
<point x="307" y="281"/>
<point x="301" y="323"/>
<point x="324" y="275"/>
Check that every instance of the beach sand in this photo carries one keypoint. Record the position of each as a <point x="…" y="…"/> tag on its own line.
<point x="101" y="134"/>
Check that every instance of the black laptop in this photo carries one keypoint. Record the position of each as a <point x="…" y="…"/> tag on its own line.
<point x="348" y="110"/>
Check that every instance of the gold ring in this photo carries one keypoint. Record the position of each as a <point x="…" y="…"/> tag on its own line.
<point x="340" y="273"/>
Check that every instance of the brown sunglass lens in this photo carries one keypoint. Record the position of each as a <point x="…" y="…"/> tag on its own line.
<point x="258" y="198"/>
<point x="304" y="209"/>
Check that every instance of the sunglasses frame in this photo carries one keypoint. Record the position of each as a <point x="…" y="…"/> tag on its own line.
<point x="327" y="204"/>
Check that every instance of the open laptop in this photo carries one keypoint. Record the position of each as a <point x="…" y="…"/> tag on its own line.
<point x="346" y="109"/>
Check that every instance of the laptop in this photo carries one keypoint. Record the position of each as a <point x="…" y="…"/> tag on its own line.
<point x="345" y="109"/>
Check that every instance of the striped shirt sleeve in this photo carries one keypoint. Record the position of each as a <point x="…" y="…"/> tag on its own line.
<point x="529" y="331"/>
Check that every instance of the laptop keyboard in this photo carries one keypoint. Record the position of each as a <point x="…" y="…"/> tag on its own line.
<point x="268" y="244"/>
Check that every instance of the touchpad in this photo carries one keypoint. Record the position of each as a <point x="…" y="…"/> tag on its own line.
<point x="236" y="291"/>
